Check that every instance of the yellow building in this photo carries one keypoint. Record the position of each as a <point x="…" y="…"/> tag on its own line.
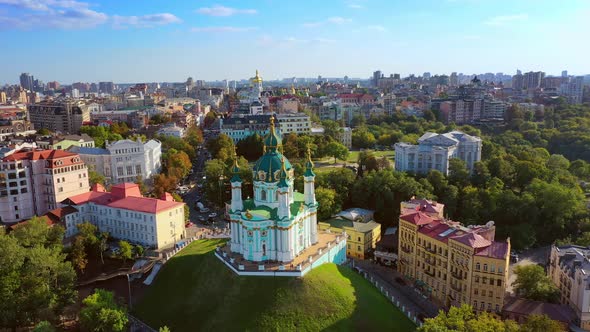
<point x="362" y="236"/>
<point x="452" y="263"/>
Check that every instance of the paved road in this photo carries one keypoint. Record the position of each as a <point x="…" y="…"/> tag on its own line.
<point x="407" y="296"/>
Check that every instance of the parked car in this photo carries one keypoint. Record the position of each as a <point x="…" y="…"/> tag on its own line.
<point x="212" y="215"/>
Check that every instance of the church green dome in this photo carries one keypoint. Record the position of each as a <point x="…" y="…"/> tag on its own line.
<point x="268" y="167"/>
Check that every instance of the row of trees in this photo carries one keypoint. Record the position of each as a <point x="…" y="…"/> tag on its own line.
<point x="463" y="319"/>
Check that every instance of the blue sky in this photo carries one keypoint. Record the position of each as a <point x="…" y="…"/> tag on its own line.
<point x="167" y="40"/>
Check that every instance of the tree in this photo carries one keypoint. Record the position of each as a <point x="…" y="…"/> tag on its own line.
<point x="164" y="184"/>
<point x="251" y="147"/>
<point x="141" y="184"/>
<point x="164" y="329"/>
<point x="532" y="283"/>
<point x="458" y="173"/>
<point x="101" y="313"/>
<point x="362" y="138"/>
<point x="326" y="199"/>
<point x="358" y="121"/>
<point x="78" y="254"/>
<point x="209" y="119"/>
<point x="103" y="245"/>
<point x="332" y="129"/>
<point x="138" y="250"/>
<point x="125" y="250"/>
<point x="88" y="232"/>
<point x="95" y="178"/>
<point x="36" y="280"/>
<point x="178" y="163"/>
<point x="221" y="147"/>
<point x="541" y="323"/>
<point x="337" y="150"/>
<point x="194" y="136"/>
<point x="43" y="326"/>
<point x="44" y="131"/>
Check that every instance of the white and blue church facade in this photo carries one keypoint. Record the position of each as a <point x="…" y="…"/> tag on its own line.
<point x="277" y="223"/>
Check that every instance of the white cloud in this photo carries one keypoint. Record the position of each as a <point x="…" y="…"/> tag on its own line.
<point x="219" y="10"/>
<point x="355" y="6"/>
<point x="223" y="29"/>
<point x="145" y="21"/>
<point x="71" y="14"/>
<point x="44" y="5"/>
<point x="505" y="19"/>
<point x="339" y="20"/>
<point x="331" y="20"/>
<point x="379" y="28"/>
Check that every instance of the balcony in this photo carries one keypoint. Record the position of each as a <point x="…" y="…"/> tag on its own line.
<point x="456" y="288"/>
<point x="456" y="275"/>
<point x="406" y="250"/>
<point x="430" y="273"/>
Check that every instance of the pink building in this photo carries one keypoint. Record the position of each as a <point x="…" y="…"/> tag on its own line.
<point x="35" y="182"/>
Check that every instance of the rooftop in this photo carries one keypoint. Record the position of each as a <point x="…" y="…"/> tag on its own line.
<point x="123" y="196"/>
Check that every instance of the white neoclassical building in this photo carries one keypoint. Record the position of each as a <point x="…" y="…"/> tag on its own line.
<point x="434" y="151"/>
<point x="124" y="160"/>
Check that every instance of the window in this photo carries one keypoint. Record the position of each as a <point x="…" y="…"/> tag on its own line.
<point x="263" y="195"/>
<point x="492" y="268"/>
<point x="499" y="282"/>
<point x="476" y="278"/>
<point x="477" y="267"/>
<point x="475" y="304"/>
<point x="138" y="169"/>
<point x="489" y="306"/>
<point x="485" y="267"/>
<point x="60" y="189"/>
<point x="490" y="294"/>
<point x="497" y="308"/>
<point x="475" y="291"/>
<point x="129" y="170"/>
<point x="482" y="306"/>
<point x="359" y="248"/>
<point x="359" y="239"/>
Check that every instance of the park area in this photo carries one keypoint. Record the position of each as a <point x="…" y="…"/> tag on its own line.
<point x="194" y="291"/>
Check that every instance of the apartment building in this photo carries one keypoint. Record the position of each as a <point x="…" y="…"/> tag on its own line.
<point x="65" y="116"/>
<point x="299" y="123"/>
<point x="434" y="151"/>
<point x="568" y="269"/>
<point x="451" y="263"/>
<point x="127" y="215"/>
<point x="36" y="181"/>
<point x="238" y="127"/>
<point x="124" y="160"/>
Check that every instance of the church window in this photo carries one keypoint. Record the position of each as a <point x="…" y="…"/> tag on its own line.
<point x="250" y="233"/>
<point x="263" y="195"/>
<point x="264" y="233"/>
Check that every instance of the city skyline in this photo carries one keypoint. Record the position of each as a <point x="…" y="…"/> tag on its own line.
<point x="71" y="41"/>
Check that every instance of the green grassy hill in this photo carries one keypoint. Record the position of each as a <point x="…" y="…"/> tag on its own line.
<point x="194" y="291"/>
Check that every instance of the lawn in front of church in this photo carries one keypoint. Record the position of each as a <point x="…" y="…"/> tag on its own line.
<point x="195" y="291"/>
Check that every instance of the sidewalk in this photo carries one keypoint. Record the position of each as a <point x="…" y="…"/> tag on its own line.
<point x="406" y="294"/>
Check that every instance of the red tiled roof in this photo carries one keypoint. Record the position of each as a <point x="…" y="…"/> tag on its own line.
<point x="497" y="250"/>
<point x="144" y="204"/>
<point x="434" y="229"/>
<point x="350" y="95"/>
<point x="428" y="206"/>
<point x="61" y="212"/>
<point x="472" y="240"/>
<point x="37" y="155"/>
<point x="124" y="196"/>
<point x="417" y="218"/>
